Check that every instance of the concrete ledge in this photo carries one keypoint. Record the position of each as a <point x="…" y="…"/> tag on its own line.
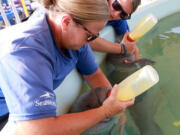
<point x="159" y="8"/>
<point x="108" y="34"/>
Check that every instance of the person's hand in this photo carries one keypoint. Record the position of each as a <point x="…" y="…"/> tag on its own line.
<point x="131" y="46"/>
<point x="136" y="53"/>
<point x="136" y="56"/>
<point x="112" y="106"/>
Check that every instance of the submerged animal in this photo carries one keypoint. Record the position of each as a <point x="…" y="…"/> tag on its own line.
<point x="119" y="66"/>
<point x="93" y="99"/>
<point x="132" y="61"/>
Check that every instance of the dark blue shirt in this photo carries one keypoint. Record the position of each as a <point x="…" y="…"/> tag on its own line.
<point x="3" y="106"/>
<point x="120" y="26"/>
<point x="32" y="66"/>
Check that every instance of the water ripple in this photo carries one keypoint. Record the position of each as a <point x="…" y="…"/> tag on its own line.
<point x="163" y="36"/>
<point x="174" y="30"/>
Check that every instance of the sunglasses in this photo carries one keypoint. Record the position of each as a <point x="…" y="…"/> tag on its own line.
<point x="92" y="36"/>
<point x="117" y="6"/>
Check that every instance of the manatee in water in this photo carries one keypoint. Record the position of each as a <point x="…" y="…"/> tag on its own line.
<point x="118" y="69"/>
<point x="93" y="99"/>
<point x="90" y="99"/>
<point x="132" y="61"/>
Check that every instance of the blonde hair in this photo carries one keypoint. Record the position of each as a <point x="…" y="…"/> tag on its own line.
<point x="83" y="10"/>
<point x="135" y="4"/>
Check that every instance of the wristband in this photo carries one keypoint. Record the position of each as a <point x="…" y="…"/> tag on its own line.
<point x="125" y="49"/>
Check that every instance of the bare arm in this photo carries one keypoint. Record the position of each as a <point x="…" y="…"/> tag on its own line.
<point x="74" y="123"/>
<point x="103" y="45"/>
<point x="97" y="79"/>
<point x="67" y="124"/>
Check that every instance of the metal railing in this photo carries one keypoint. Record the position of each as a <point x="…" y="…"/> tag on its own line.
<point x="16" y="12"/>
<point x="4" y="17"/>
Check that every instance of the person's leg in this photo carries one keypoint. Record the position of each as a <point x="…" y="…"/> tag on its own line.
<point x="3" y="120"/>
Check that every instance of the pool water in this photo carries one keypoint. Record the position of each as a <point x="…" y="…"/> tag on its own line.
<point x="158" y="112"/>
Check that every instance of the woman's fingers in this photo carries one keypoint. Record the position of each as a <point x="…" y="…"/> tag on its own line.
<point x="114" y="91"/>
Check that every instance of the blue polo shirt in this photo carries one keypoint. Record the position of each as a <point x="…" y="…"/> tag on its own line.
<point x="32" y="66"/>
<point x="120" y="26"/>
<point x="3" y="106"/>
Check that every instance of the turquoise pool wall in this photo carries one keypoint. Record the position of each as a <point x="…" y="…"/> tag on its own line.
<point x="159" y="8"/>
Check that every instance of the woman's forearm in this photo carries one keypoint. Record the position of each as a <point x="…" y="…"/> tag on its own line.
<point x="103" y="45"/>
<point x="67" y="124"/>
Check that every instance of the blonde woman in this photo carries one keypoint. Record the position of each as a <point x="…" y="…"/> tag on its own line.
<point x="35" y="57"/>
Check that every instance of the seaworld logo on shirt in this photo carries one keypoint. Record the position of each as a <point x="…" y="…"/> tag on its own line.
<point x="48" y="95"/>
<point x="46" y="99"/>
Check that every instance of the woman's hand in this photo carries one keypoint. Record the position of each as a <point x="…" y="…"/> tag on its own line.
<point x="112" y="106"/>
<point x="136" y="53"/>
<point x="130" y="45"/>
